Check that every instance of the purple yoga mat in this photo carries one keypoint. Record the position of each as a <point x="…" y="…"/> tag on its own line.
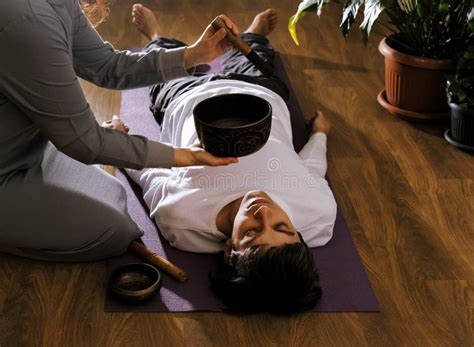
<point x="342" y="276"/>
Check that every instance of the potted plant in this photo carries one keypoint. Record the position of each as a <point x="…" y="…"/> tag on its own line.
<point x="461" y="95"/>
<point x="427" y="34"/>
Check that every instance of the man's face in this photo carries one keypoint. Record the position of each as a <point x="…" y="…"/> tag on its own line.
<point x="261" y="224"/>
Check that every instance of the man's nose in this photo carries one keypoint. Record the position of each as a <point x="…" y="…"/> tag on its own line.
<point x="264" y="213"/>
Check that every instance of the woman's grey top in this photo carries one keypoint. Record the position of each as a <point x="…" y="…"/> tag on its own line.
<point x="45" y="45"/>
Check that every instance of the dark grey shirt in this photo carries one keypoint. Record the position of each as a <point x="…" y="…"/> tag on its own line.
<point x="44" y="46"/>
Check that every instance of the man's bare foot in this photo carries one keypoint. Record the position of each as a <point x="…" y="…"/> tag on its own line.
<point x="264" y="22"/>
<point x="145" y="20"/>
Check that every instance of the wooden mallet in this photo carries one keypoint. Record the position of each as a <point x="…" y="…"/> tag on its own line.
<point x="244" y="48"/>
<point x="151" y="257"/>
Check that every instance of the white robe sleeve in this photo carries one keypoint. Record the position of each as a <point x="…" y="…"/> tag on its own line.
<point x="190" y="240"/>
<point x="151" y="181"/>
<point x="153" y="184"/>
<point x="313" y="155"/>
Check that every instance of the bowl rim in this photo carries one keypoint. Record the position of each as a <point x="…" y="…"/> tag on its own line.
<point x="269" y="113"/>
<point x="117" y="289"/>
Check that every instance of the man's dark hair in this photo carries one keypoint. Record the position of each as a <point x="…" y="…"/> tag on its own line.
<point x="282" y="280"/>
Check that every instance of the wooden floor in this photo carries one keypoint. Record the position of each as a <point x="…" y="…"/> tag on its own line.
<point x="407" y="195"/>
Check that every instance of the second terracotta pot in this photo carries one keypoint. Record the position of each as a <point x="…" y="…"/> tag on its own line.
<point x="415" y="86"/>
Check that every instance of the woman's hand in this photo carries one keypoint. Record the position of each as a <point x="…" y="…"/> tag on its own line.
<point x="209" y="46"/>
<point x="116" y="123"/>
<point x="196" y="155"/>
<point x="319" y="124"/>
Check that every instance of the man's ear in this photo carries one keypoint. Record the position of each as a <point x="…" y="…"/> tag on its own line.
<point x="227" y="249"/>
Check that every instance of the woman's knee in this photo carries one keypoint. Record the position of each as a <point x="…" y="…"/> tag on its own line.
<point x="111" y="242"/>
<point x="118" y="241"/>
<point x="114" y="241"/>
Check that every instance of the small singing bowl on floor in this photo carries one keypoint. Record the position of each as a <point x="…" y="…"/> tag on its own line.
<point x="233" y="125"/>
<point x="135" y="282"/>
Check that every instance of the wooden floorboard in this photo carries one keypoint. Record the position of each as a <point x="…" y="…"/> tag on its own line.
<point x="407" y="196"/>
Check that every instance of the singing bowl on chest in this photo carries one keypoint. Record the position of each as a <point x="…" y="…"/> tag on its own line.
<point x="233" y="125"/>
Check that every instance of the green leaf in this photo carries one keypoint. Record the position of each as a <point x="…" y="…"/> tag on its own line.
<point x="470" y="15"/>
<point x="292" y="27"/>
<point x="450" y="76"/>
<point x="351" y="8"/>
<point x="372" y="10"/>
<point x="469" y="54"/>
<point x="455" y="91"/>
<point x="443" y="7"/>
<point x="426" y="27"/>
<point x="421" y="10"/>
<point x="304" y="7"/>
<point x="471" y="25"/>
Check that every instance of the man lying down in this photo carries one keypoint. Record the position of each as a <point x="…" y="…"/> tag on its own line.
<point x="263" y="212"/>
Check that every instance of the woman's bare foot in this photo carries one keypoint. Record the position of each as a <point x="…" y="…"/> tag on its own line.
<point x="145" y="20"/>
<point x="264" y="22"/>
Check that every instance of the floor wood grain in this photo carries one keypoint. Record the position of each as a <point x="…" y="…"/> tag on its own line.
<point x="407" y="195"/>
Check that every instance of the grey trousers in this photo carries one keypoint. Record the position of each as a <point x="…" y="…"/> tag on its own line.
<point x="63" y="210"/>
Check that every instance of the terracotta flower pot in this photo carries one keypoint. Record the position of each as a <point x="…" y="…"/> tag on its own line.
<point x="415" y="87"/>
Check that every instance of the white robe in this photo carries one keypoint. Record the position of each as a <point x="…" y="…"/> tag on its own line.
<point x="185" y="201"/>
